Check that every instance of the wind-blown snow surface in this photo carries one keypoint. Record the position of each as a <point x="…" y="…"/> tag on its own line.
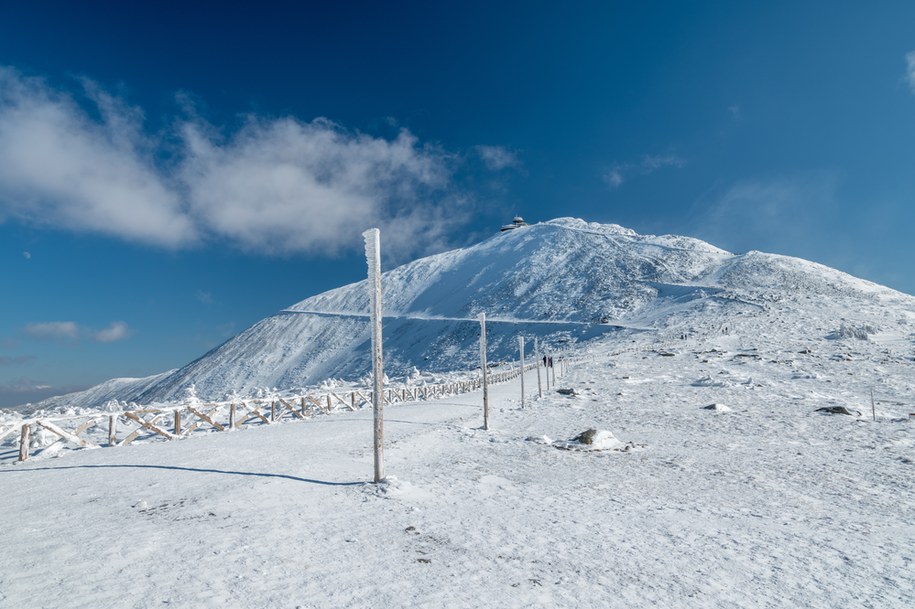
<point x="566" y="281"/>
<point x="764" y="503"/>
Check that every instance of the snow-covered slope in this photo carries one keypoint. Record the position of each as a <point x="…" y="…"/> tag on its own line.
<point x="736" y="493"/>
<point x="565" y="281"/>
<point x="97" y="396"/>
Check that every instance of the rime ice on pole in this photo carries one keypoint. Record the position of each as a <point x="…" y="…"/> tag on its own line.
<point x="373" y="258"/>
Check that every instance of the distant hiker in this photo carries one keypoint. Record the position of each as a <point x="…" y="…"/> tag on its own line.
<point x="551" y="362"/>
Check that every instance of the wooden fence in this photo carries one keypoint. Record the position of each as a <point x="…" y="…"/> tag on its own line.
<point x="105" y="429"/>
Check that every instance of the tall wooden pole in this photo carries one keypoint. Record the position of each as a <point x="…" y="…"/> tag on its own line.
<point x="485" y="371"/>
<point x="373" y="258"/>
<point x="521" y="351"/>
<point x="537" y="359"/>
<point x="546" y="369"/>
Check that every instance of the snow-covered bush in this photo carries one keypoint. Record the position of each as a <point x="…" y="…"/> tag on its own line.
<point x="858" y="331"/>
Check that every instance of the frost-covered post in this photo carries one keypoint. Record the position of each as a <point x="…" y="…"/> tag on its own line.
<point x="373" y="258"/>
<point x="24" y="441"/>
<point x="485" y="371"/>
<point x="521" y="351"/>
<point x="537" y="359"/>
<point x="546" y="368"/>
<point x="112" y="429"/>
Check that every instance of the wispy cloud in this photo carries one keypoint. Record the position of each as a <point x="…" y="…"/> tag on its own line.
<point x="118" y="330"/>
<point x="285" y="186"/>
<point x="204" y="297"/>
<point x="60" y="168"/>
<point x="13" y="360"/>
<point x="53" y="329"/>
<point x="620" y="173"/>
<point x="23" y="384"/>
<point x="775" y="214"/>
<point x="272" y="186"/>
<point x="910" y="70"/>
<point x="497" y="158"/>
<point x="22" y="390"/>
<point x="70" y="330"/>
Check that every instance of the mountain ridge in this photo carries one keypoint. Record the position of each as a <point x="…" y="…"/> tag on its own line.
<point x="565" y="281"/>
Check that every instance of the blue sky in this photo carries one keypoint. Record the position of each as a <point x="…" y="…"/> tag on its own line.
<point x="172" y="173"/>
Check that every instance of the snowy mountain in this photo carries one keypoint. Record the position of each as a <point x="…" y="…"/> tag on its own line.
<point x="565" y="281"/>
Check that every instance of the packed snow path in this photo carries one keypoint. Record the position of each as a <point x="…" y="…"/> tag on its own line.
<point x="765" y="503"/>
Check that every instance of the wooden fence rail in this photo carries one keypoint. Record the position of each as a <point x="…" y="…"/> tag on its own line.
<point x="173" y="423"/>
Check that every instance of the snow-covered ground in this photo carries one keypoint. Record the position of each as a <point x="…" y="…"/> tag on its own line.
<point x="713" y="479"/>
<point x="758" y="502"/>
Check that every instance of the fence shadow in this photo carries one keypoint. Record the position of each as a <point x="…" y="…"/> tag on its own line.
<point x="198" y="470"/>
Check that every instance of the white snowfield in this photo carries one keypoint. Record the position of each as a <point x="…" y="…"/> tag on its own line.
<point x="766" y="503"/>
<point x="712" y="480"/>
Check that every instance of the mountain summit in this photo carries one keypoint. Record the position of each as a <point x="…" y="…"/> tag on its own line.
<point x="565" y="281"/>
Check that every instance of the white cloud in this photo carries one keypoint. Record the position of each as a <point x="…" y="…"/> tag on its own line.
<point x="60" y="168"/>
<point x="70" y="330"/>
<point x="273" y="186"/>
<point x="651" y="163"/>
<point x="910" y="70"/>
<point x="23" y="384"/>
<point x="22" y="390"/>
<point x="777" y="214"/>
<point x="614" y="176"/>
<point x="53" y="329"/>
<point x="285" y="186"/>
<point x="496" y="158"/>
<point x="648" y="164"/>
<point x="118" y="330"/>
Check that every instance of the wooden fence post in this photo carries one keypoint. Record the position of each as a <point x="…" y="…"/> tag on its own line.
<point x="273" y="410"/>
<point x="521" y="351"/>
<point x="537" y="362"/>
<point x="485" y="371"/>
<point x="373" y="259"/>
<point x="177" y="422"/>
<point x="24" y="438"/>
<point x="232" y="415"/>
<point x="112" y="429"/>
